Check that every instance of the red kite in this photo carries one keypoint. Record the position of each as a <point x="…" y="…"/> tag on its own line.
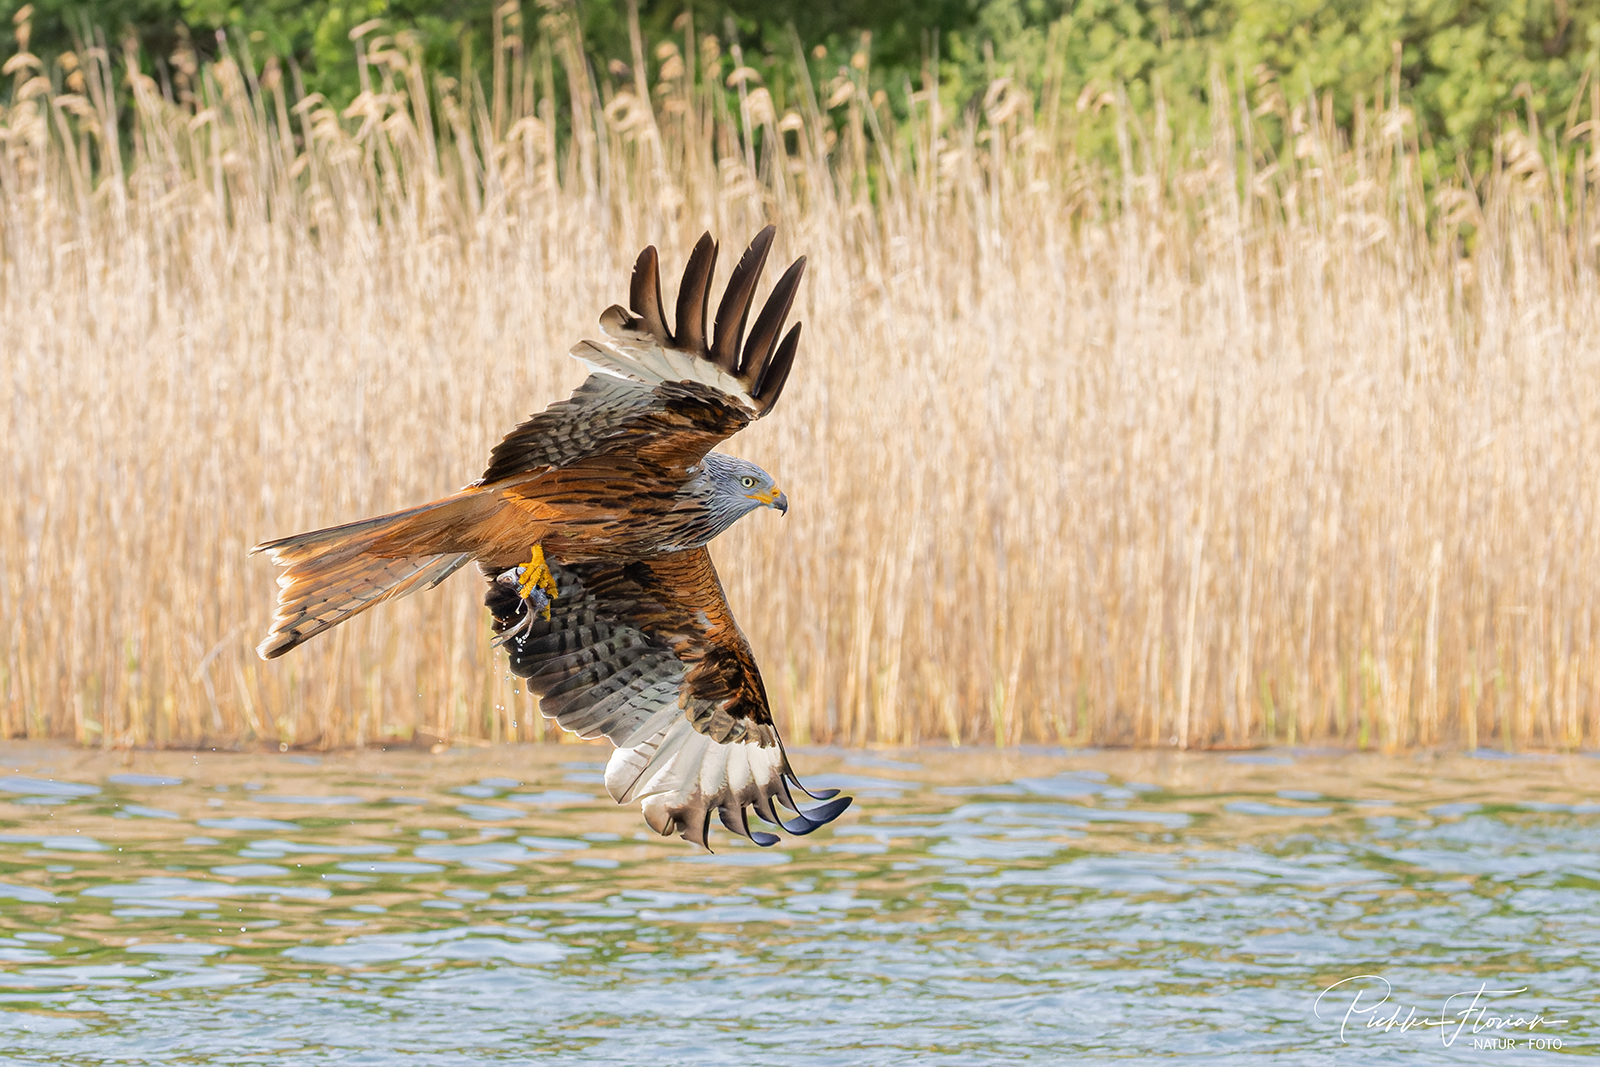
<point x="591" y="524"/>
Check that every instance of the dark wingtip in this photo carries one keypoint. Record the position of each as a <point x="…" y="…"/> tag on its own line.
<point x="799" y="826"/>
<point x="735" y="307"/>
<point x="694" y="295"/>
<point x="794" y="780"/>
<point x="773" y="376"/>
<point x="764" y="839"/>
<point x="644" y="294"/>
<point x="697" y="828"/>
<point x="807" y="821"/>
<point x="829" y="811"/>
<point x="763" y="340"/>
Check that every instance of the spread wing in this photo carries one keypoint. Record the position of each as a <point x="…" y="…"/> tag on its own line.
<point x="647" y="654"/>
<point x="674" y="394"/>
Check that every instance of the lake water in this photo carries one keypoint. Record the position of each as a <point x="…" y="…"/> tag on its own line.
<point x="974" y="907"/>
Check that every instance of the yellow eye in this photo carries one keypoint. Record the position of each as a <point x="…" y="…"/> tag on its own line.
<point x="748" y="482"/>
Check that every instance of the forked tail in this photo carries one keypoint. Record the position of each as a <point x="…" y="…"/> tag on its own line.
<point x="331" y="575"/>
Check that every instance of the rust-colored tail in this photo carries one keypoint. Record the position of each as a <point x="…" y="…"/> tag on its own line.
<point x="331" y="575"/>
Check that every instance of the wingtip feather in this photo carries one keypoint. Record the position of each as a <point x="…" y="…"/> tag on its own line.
<point x="776" y="372"/>
<point x="694" y="295"/>
<point x="763" y="339"/>
<point x="644" y="295"/>
<point x="734" y="310"/>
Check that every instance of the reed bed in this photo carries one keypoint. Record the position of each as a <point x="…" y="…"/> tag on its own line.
<point x="1215" y="447"/>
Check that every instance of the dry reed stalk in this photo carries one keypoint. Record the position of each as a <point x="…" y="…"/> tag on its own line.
<point x="1210" y="449"/>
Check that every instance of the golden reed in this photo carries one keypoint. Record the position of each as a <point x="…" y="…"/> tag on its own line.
<point x="1199" y="450"/>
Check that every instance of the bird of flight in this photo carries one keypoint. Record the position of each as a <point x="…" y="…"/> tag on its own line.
<point x="591" y="525"/>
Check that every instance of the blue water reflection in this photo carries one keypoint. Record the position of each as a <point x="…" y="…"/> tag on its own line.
<point x="491" y="906"/>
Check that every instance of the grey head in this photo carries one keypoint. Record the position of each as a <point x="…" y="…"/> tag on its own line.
<point x="727" y="489"/>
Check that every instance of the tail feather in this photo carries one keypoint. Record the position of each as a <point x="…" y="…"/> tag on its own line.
<point x="334" y="574"/>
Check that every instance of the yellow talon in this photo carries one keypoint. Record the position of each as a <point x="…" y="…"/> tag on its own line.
<point x="536" y="575"/>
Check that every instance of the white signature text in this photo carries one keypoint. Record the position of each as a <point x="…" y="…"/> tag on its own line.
<point x="1363" y="1001"/>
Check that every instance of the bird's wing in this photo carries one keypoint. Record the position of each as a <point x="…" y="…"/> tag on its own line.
<point x="674" y="394"/>
<point x="647" y="654"/>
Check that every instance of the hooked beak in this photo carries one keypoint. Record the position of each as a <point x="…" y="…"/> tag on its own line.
<point x="772" y="498"/>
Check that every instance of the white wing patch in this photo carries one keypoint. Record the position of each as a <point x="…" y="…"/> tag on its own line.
<point x="680" y="777"/>
<point x="636" y="356"/>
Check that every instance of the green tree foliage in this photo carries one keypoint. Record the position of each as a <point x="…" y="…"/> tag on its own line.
<point x="315" y="36"/>
<point x="1460" y="66"/>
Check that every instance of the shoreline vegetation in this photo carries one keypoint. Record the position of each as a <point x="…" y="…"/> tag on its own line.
<point x="1247" y="437"/>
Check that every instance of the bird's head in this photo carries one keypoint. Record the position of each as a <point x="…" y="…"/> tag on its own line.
<point x="739" y="486"/>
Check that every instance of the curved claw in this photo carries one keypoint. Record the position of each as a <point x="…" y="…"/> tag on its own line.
<point x="512" y="633"/>
<point x="534" y="602"/>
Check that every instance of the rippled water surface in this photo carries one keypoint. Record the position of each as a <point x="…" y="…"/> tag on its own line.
<point x="491" y="906"/>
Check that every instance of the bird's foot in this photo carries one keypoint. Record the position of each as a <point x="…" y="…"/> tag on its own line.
<point x="536" y="586"/>
<point x="535" y="576"/>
